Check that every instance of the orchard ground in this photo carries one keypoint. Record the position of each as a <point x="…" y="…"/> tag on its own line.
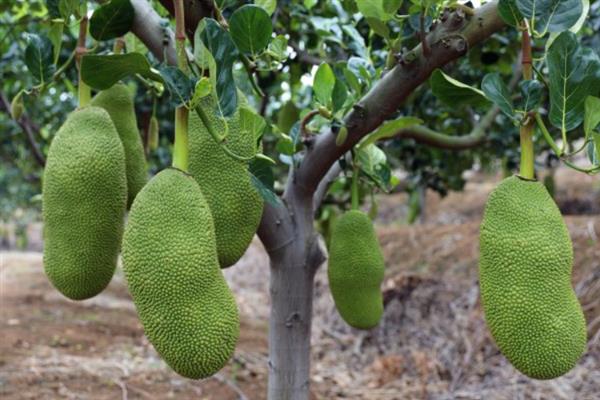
<point x="431" y="344"/>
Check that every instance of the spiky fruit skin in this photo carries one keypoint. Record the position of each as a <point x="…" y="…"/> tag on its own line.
<point x="118" y="102"/>
<point x="172" y="271"/>
<point x="83" y="199"/>
<point x="235" y="203"/>
<point x="525" y="277"/>
<point x="356" y="270"/>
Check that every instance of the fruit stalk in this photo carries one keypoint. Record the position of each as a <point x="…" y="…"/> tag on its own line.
<point x="527" y="169"/>
<point x="180" y="148"/>
<point x="84" y="91"/>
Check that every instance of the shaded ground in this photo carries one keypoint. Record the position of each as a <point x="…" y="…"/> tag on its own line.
<point x="431" y="344"/>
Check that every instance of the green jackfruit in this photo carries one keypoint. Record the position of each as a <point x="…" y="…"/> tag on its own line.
<point x="117" y="100"/>
<point x="172" y="271"/>
<point x="356" y="269"/>
<point x="235" y="203"/>
<point x="83" y="199"/>
<point x="525" y="277"/>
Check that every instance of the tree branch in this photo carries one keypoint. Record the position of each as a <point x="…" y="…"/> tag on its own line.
<point x="448" y="41"/>
<point x="28" y="128"/>
<point x="194" y="11"/>
<point x="147" y="26"/>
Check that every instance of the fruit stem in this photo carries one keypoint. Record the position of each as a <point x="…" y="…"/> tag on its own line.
<point x="354" y="187"/>
<point x="84" y="91"/>
<point x="527" y="168"/>
<point x="180" y="147"/>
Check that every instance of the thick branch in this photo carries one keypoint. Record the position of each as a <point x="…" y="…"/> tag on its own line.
<point x="448" y="41"/>
<point x="147" y="27"/>
<point x="28" y="128"/>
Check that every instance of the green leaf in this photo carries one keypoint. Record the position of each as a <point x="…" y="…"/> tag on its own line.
<point x="509" y="12"/>
<point x="103" y="71"/>
<point x="596" y="140"/>
<point x="39" y="57"/>
<point x="261" y="175"/>
<point x="453" y="92"/>
<point x="269" y="5"/>
<point x="551" y="15"/>
<point x="323" y="84"/>
<point x="222" y="48"/>
<point x="531" y="95"/>
<point x="389" y="129"/>
<point x="287" y="116"/>
<point x="278" y="48"/>
<point x="592" y="115"/>
<point x="179" y="85"/>
<point x="112" y="20"/>
<point x="203" y="89"/>
<point x="495" y="90"/>
<point x="251" y="28"/>
<point x="339" y="95"/>
<point x="55" y="36"/>
<point x="574" y="73"/>
<point x="252" y="124"/>
<point x="375" y="9"/>
<point x="310" y="3"/>
<point x="373" y="162"/>
<point x="379" y="27"/>
<point x="67" y="8"/>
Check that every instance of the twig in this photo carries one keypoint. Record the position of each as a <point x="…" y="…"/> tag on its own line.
<point x="28" y="128"/>
<point x="304" y="132"/>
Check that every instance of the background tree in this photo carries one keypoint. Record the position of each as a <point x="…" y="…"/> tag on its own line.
<point x="338" y="87"/>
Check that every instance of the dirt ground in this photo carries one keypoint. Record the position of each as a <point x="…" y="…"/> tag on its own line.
<point x="431" y="344"/>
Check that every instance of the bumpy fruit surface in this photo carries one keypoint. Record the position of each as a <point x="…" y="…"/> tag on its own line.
<point x="525" y="277"/>
<point x="83" y="197"/>
<point x="356" y="269"/>
<point x="172" y="271"/>
<point x="118" y="102"/>
<point x="235" y="204"/>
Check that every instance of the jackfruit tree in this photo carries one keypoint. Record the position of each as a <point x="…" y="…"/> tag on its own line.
<point x="289" y="120"/>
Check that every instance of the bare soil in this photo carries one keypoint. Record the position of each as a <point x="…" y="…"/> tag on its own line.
<point x="431" y="344"/>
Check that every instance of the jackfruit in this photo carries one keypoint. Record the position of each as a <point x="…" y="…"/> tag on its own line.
<point x="525" y="277"/>
<point x="83" y="201"/>
<point x="235" y="203"/>
<point x="356" y="269"/>
<point x="118" y="102"/>
<point x="172" y="271"/>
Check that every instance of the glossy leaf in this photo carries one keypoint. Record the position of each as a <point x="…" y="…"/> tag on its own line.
<point x="179" y="85"/>
<point x="251" y="28"/>
<point x="591" y="115"/>
<point x="389" y="129"/>
<point x="551" y="15"/>
<point x="222" y="48"/>
<point x="574" y="73"/>
<point x="497" y="91"/>
<point x="453" y="92"/>
<point x="112" y="20"/>
<point x="103" y="71"/>
<point x="39" y="57"/>
<point x="269" y="5"/>
<point x="323" y="84"/>
<point x="509" y="12"/>
<point x="531" y="95"/>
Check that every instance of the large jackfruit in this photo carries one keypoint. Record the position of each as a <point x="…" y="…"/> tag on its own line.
<point x="356" y="269"/>
<point x="83" y="199"/>
<point x="235" y="203"/>
<point x="117" y="100"/>
<point x="172" y="271"/>
<point x="525" y="276"/>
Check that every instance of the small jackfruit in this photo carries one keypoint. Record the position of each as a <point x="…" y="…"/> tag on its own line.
<point x="525" y="277"/>
<point x="83" y="200"/>
<point x="153" y="134"/>
<point x="172" y="271"/>
<point x="235" y="203"/>
<point x="356" y="269"/>
<point x="118" y="102"/>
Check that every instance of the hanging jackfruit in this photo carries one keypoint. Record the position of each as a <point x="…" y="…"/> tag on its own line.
<point x="356" y="269"/>
<point x="525" y="277"/>
<point x="172" y="271"/>
<point x="118" y="102"/>
<point x="235" y="203"/>
<point x="83" y="199"/>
